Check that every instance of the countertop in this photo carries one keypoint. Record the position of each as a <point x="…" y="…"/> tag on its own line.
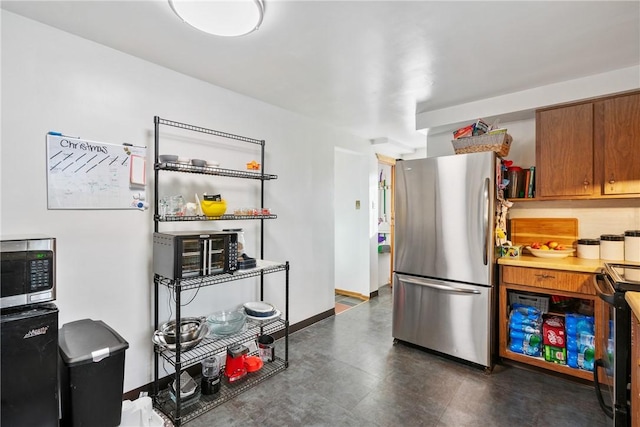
<point x="633" y="298"/>
<point x="571" y="263"/>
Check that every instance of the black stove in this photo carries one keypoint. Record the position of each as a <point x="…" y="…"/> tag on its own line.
<point x="611" y="285"/>
<point x="624" y="277"/>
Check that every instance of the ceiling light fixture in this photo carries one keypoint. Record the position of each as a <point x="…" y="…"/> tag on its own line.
<point x="228" y="18"/>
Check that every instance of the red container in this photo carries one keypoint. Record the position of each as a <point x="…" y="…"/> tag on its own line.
<point x="553" y="333"/>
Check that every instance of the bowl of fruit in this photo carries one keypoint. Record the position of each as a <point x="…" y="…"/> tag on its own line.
<point x="550" y="249"/>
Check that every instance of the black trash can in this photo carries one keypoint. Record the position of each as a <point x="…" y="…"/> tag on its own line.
<point x="91" y="374"/>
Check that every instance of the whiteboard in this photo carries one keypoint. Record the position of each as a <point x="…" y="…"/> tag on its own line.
<point x="84" y="174"/>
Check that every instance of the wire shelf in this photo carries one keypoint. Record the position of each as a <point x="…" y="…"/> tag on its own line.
<point x="179" y="125"/>
<point x="264" y="267"/>
<point x="210" y="170"/>
<point x="214" y="345"/>
<point x="177" y="218"/>
<point x="227" y="391"/>
<point x="195" y="405"/>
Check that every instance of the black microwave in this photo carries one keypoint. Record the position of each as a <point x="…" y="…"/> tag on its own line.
<point x="27" y="270"/>
<point x="182" y="255"/>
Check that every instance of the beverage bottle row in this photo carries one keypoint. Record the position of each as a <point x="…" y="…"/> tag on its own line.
<point x="524" y="330"/>
<point x="580" y="341"/>
<point x="529" y="323"/>
<point x="525" y="343"/>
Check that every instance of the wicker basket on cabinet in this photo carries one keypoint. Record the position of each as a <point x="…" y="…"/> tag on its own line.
<point x="500" y="143"/>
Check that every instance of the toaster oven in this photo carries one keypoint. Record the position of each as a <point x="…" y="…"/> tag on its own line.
<point x="182" y="255"/>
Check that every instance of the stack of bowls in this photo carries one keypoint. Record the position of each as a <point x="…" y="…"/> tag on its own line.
<point x="259" y="309"/>
<point x="190" y="328"/>
<point x="192" y="331"/>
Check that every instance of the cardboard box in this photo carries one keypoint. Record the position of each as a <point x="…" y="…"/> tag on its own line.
<point x="553" y="333"/>
<point x="555" y="354"/>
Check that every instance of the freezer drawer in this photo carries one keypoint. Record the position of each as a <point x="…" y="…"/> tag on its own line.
<point x="452" y="318"/>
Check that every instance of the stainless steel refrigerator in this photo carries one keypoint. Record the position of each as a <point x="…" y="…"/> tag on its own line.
<point x="444" y="265"/>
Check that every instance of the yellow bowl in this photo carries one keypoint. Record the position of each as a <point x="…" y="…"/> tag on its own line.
<point x="213" y="208"/>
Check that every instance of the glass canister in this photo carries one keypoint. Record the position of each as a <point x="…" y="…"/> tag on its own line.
<point x="612" y="247"/>
<point x="589" y="248"/>
<point x="632" y="245"/>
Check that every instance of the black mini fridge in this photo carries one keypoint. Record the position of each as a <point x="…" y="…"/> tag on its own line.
<point x="29" y="360"/>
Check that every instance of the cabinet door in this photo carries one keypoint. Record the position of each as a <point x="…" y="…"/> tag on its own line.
<point x="621" y="145"/>
<point x="564" y="151"/>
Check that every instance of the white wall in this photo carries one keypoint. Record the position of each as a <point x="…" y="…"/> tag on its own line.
<point x="351" y="210"/>
<point x="52" y="80"/>
<point x="595" y="217"/>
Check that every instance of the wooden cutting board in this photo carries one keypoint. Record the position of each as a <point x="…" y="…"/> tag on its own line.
<point x="524" y="231"/>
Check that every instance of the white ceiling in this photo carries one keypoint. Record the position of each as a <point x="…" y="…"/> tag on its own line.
<point x="365" y="65"/>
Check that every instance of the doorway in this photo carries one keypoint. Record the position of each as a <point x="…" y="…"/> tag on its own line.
<point x="386" y="218"/>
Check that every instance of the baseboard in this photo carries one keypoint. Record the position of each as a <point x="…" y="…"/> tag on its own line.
<point x="352" y="294"/>
<point x="195" y="369"/>
<point x="311" y="320"/>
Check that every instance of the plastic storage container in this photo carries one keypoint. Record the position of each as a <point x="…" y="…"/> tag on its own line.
<point x="612" y="247"/>
<point x="589" y="248"/>
<point x="91" y="373"/>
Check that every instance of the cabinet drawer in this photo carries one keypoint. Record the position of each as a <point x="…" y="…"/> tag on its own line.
<point x="549" y="279"/>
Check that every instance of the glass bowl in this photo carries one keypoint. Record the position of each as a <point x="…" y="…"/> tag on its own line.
<point x="226" y="322"/>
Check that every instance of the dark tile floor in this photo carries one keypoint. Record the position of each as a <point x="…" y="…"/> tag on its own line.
<point x="346" y="371"/>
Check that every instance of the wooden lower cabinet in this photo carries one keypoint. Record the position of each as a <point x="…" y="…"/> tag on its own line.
<point x="546" y="282"/>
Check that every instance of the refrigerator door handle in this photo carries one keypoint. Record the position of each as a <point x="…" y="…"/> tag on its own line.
<point x="485" y="218"/>
<point x="436" y="284"/>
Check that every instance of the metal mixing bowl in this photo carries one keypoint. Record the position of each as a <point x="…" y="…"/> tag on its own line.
<point x="189" y="329"/>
